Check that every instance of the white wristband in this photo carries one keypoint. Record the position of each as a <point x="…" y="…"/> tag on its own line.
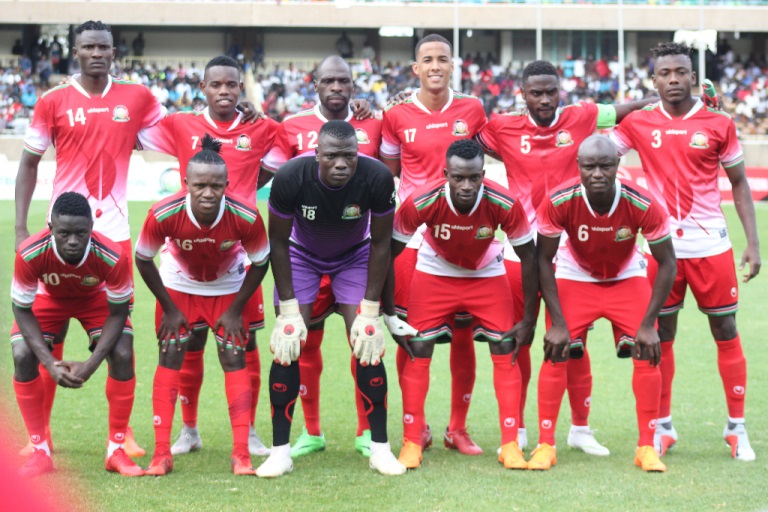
<point x="289" y="307"/>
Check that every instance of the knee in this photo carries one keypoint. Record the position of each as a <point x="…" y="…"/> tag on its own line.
<point x="667" y="328"/>
<point x="423" y="349"/>
<point x="173" y="357"/>
<point x="196" y="342"/>
<point x="25" y="362"/>
<point x="723" y="327"/>
<point x="501" y="348"/>
<point x="231" y="362"/>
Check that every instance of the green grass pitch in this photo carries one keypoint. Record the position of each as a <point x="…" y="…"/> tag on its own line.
<point x="701" y="476"/>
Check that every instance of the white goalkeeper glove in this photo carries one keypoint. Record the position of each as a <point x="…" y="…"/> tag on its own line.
<point x="367" y="334"/>
<point x="289" y="334"/>
<point x="397" y="327"/>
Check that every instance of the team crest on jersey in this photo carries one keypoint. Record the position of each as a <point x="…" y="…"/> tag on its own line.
<point x="243" y="143"/>
<point x="623" y="233"/>
<point x="483" y="233"/>
<point x="120" y="114"/>
<point x="699" y="140"/>
<point x="351" y="212"/>
<point x="563" y="139"/>
<point x="90" y="280"/>
<point x="362" y="136"/>
<point x="226" y="244"/>
<point x="460" y="128"/>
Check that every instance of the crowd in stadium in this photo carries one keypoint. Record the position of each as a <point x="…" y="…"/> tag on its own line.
<point x="284" y="89"/>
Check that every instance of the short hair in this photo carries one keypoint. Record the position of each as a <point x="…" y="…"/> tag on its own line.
<point x="93" y="25"/>
<point x="466" y="149"/>
<point x="431" y="38"/>
<point x="338" y="129"/>
<point x="209" y="152"/>
<point x="222" y="60"/>
<point x="72" y="204"/>
<point x="539" y="67"/>
<point x="670" y="48"/>
<point x="331" y="58"/>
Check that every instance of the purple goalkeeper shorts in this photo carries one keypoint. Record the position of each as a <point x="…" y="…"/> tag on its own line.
<point x="348" y="273"/>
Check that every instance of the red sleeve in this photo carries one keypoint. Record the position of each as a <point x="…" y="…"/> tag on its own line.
<point x="655" y="224"/>
<point x="255" y="242"/>
<point x="407" y="221"/>
<point x="731" y="153"/>
<point x="548" y="220"/>
<point x="160" y="137"/>
<point x="24" y="283"/>
<point x="154" y="112"/>
<point x="487" y="136"/>
<point x="119" y="282"/>
<point x="480" y="120"/>
<point x="281" y="151"/>
<point x="39" y="134"/>
<point x="391" y="146"/>
<point x="151" y="238"/>
<point x="516" y="226"/>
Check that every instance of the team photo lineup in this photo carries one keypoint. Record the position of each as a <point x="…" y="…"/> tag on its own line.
<point x="390" y="222"/>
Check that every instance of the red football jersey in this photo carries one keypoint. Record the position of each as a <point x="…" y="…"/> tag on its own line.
<point x="420" y="137"/>
<point x="243" y="145"/>
<point x="601" y="246"/>
<point x="681" y="158"/>
<point x="104" y="266"/>
<point x="203" y="260"/>
<point x="297" y="135"/>
<point x="94" y="138"/>
<point x="539" y="158"/>
<point x="467" y="241"/>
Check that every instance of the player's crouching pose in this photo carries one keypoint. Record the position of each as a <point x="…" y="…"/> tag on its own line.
<point x="85" y="276"/>
<point x="460" y="268"/>
<point x="601" y="274"/>
<point x="319" y="212"/>
<point x="203" y="281"/>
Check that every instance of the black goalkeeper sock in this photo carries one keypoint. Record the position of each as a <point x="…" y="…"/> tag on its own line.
<point x="284" y="384"/>
<point x="372" y="383"/>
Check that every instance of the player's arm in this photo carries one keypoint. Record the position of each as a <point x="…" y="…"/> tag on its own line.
<point x="33" y="337"/>
<point x="647" y="338"/>
<point x="231" y="320"/>
<point x="523" y="331"/>
<point x="745" y="207"/>
<point x="173" y="319"/>
<point x="557" y="338"/>
<point x="379" y="258"/>
<point x="26" y="180"/>
<point x="388" y="292"/>
<point x="265" y="176"/>
<point x="279" y="234"/>
<point x="624" y="109"/>
<point x="393" y="164"/>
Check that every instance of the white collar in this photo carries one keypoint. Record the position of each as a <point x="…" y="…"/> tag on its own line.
<point x="415" y="98"/>
<point x="85" y="254"/>
<point x="192" y="215"/>
<point x="209" y="119"/>
<point x="73" y="81"/>
<point x="450" y="203"/>
<point x="615" y="199"/>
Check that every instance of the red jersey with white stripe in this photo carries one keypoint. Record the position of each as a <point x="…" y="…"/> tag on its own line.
<point x="243" y="145"/>
<point x="94" y="137"/>
<point x="601" y="247"/>
<point x="681" y="157"/>
<point x="420" y="137"/>
<point x="203" y="260"/>
<point x="457" y="244"/>
<point x="40" y="269"/>
<point x="297" y="136"/>
<point x="539" y="158"/>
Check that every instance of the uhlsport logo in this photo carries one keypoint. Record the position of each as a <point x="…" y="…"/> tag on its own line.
<point x="90" y="280"/>
<point x="407" y="419"/>
<point x="624" y="233"/>
<point x="460" y="128"/>
<point x="279" y="387"/>
<point x="377" y="381"/>
<point x="226" y="244"/>
<point x="734" y="292"/>
<point x="546" y="423"/>
<point x="739" y="390"/>
<point x="243" y="143"/>
<point x="652" y="424"/>
<point x="35" y="439"/>
<point x="120" y="114"/>
<point x="362" y="136"/>
<point x="467" y="398"/>
<point x="588" y="401"/>
<point x="302" y="390"/>
<point x="157" y="420"/>
<point x="509" y="422"/>
<point x="184" y="400"/>
<point x="483" y="233"/>
<point x="119" y="436"/>
<point x="563" y="139"/>
<point x="699" y="140"/>
<point x="351" y="212"/>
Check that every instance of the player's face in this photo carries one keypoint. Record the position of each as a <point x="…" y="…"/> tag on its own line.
<point x="434" y="66"/>
<point x="464" y="180"/>
<point x="337" y="159"/>
<point x="674" y="78"/>
<point x="206" y="184"/>
<point x="334" y="86"/>
<point x="598" y="170"/>
<point x="542" y="96"/>
<point x="71" y="234"/>
<point x="95" y="51"/>
<point x="222" y="87"/>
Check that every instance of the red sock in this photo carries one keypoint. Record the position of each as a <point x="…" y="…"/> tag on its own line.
<point x="120" y="399"/>
<point x="165" y="390"/>
<point x="401" y="356"/>
<point x="49" y="385"/>
<point x="190" y="382"/>
<point x="506" y="383"/>
<point x="414" y="383"/>
<point x="360" y="404"/>
<point x="29" y="396"/>
<point x="667" y="368"/>
<point x="311" y="366"/>
<point x="733" y="371"/>
<point x="646" y="384"/>
<point x="580" y="389"/>
<point x="523" y="361"/>
<point x="237" y="384"/>
<point x="462" y="376"/>
<point x="553" y="379"/>
<point x="253" y="365"/>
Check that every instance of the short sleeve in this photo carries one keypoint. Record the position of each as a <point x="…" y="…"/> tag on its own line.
<point x="548" y="220"/>
<point x="407" y="221"/>
<point x="39" y="134"/>
<point x="285" y="188"/>
<point x="391" y="146"/>
<point x="655" y="224"/>
<point x="280" y="152"/>
<point x="731" y="153"/>
<point x="382" y="190"/>
<point x="151" y="239"/>
<point x="160" y="137"/>
<point x="155" y="111"/>
<point x="255" y="242"/>
<point x="621" y="137"/>
<point x="487" y="136"/>
<point x="119" y="283"/>
<point x="24" y="283"/>
<point x="516" y="226"/>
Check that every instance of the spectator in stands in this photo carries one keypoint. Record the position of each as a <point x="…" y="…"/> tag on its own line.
<point x="344" y="46"/>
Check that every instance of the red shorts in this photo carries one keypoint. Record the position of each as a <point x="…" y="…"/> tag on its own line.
<point x="712" y="280"/>
<point x="515" y="279"/>
<point x="201" y="312"/>
<point x="623" y="303"/>
<point x="125" y="245"/>
<point x="254" y="310"/>
<point x="325" y="302"/>
<point x="53" y="314"/>
<point x="435" y="300"/>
